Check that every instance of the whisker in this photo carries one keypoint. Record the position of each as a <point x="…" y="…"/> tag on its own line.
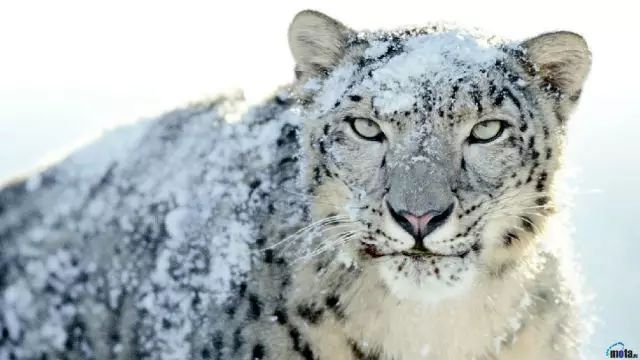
<point x="329" y="245"/>
<point x="316" y="233"/>
<point x="310" y="227"/>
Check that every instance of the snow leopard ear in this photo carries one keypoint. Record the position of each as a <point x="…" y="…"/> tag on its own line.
<point x="317" y="43"/>
<point x="562" y="60"/>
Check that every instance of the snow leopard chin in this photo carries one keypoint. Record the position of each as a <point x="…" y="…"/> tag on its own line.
<point x="427" y="279"/>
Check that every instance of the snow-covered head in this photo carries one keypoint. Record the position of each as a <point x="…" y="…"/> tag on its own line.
<point x="437" y="146"/>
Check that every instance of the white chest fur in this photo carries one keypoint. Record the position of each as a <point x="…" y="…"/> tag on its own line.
<point x="503" y="318"/>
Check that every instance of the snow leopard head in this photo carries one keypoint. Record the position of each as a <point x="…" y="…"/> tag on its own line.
<point x="433" y="150"/>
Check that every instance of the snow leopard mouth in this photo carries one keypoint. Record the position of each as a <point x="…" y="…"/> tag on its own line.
<point x="373" y="252"/>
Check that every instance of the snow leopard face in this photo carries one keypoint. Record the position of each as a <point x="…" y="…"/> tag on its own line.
<point x="433" y="150"/>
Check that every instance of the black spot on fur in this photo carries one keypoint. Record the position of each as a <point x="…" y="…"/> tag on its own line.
<point x="454" y="92"/>
<point x="309" y="314"/>
<point x="506" y="92"/>
<point x="288" y="135"/>
<point x="218" y="344"/>
<point x="535" y="154"/>
<point x="321" y="147"/>
<point x="532" y="142"/>
<point x="230" y="309"/>
<point x="294" y="334"/>
<point x="237" y="340"/>
<point x="75" y="334"/>
<point x="523" y="126"/>
<point x="492" y="88"/>
<point x="543" y="200"/>
<point x="498" y="100"/>
<point x="317" y="176"/>
<point x="527" y="224"/>
<point x="242" y="288"/>
<point x="253" y="185"/>
<point x="281" y="316"/>
<point x="477" y="98"/>
<point x="509" y="238"/>
<point x="258" y="352"/>
<point x="355" y="98"/>
<point x="261" y="241"/>
<point x="306" y="353"/>
<point x="333" y="302"/>
<point x="255" y="308"/>
<point x="268" y="256"/>
<point x="542" y="178"/>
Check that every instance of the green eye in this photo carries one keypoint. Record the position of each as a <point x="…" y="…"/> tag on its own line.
<point x="487" y="131"/>
<point x="366" y="129"/>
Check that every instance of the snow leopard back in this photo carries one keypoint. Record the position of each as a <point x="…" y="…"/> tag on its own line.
<point x="144" y="244"/>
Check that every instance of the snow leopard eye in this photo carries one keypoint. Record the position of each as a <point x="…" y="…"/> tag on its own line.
<point x="366" y="129"/>
<point x="487" y="131"/>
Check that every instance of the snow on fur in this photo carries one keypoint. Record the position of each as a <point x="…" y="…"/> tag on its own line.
<point x="152" y="227"/>
<point x="156" y="220"/>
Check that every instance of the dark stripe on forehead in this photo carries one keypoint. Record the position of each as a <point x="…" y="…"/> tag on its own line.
<point x="395" y="47"/>
<point x="476" y="97"/>
<point x="492" y="88"/>
<point x="506" y="92"/>
<point x="453" y="98"/>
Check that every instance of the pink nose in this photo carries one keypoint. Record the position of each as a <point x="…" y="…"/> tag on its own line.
<point x="420" y="226"/>
<point x="418" y="223"/>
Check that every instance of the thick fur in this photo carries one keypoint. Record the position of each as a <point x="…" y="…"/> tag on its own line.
<point x="485" y="299"/>
<point x="276" y="240"/>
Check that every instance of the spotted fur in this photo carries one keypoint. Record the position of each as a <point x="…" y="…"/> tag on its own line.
<point x="326" y="271"/>
<point x="466" y="281"/>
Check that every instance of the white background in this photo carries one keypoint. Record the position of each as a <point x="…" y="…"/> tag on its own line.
<point x="70" y="69"/>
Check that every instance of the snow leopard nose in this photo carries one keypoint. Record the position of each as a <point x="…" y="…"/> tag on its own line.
<point x="420" y="226"/>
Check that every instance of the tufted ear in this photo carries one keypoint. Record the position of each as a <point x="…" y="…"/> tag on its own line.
<point x="563" y="60"/>
<point x="317" y="43"/>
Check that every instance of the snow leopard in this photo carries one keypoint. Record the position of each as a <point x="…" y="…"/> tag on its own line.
<point x="395" y="201"/>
